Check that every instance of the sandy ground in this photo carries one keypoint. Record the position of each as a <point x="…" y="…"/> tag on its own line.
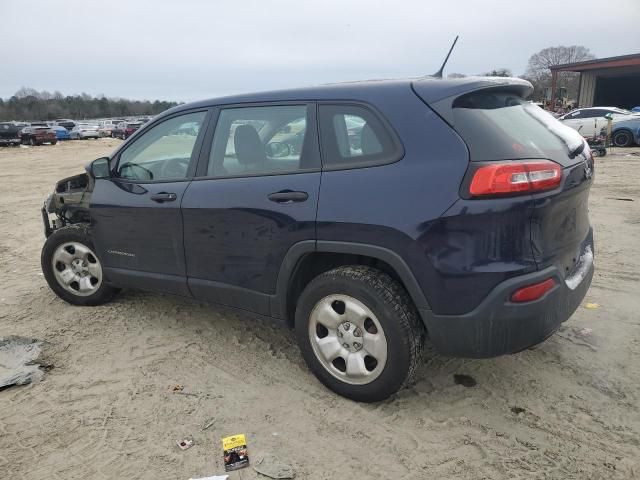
<point x="567" y="409"/>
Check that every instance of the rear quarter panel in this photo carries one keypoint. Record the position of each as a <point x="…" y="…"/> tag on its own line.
<point x="394" y="206"/>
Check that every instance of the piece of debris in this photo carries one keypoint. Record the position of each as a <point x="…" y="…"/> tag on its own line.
<point x="17" y="361"/>
<point x="592" y="306"/>
<point x="236" y="454"/>
<point x="584" y="332"/>
<point x="177" y="388"/>
<point x="518" y="410"/>
<point x="271" y="466"/>
<point x="185" y="443"/>
<point x="621" y="199"/>
<point x="464" y="380"/>
<point x="208" y="424"/>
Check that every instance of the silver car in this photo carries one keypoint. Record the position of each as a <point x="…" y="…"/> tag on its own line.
<point x="82" y="131"/>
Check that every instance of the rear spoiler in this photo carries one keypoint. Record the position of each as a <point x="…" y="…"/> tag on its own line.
<point x="440" y="94"/>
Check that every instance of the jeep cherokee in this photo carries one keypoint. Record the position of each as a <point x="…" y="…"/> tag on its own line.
<point x="458" y="214"/>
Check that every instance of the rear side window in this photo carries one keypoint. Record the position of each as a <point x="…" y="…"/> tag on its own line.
<point x="263" y="140"/>
<point x="503" y="126"/>
<point x="353" y="136"/>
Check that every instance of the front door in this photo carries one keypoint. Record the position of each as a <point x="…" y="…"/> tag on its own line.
<point x="257" y="196"/>
<point x="135" y="214"/>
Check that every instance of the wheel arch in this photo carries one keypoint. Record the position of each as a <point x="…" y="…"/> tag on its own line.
<point x="305" y="260"/>
<point x="625" y="130"/>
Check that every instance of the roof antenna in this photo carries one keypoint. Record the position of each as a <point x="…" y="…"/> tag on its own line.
<point x="438" y="74"/>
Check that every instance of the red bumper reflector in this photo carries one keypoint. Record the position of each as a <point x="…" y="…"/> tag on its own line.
<point x="532" y="292"/>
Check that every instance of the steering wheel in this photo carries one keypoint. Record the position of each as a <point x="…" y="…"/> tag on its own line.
<point x="174" y="168"/>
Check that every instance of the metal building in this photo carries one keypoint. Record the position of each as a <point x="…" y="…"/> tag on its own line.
<point x="613" y="81"/>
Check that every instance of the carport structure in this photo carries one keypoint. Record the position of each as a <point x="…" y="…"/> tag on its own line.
<point x="613" y="81"/>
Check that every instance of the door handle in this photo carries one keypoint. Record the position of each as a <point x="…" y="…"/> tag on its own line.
<point x="288" y="196"/>
<point x="163" y="197"/>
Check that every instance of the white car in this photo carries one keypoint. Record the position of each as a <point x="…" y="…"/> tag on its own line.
<point x="589" y="121"/>
<point x="105" y="127"/>
<point x="83" y="131"/>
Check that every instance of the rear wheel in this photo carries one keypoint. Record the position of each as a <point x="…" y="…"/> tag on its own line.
<point x="359" y="333"/>
<point x="623" y="138"/>
<point x="72" y="269"/>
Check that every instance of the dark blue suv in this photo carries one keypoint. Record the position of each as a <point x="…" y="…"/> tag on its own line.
<point x="369" y="215"/>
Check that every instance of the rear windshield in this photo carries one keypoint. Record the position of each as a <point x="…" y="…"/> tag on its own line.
<point x="503" y="126"/>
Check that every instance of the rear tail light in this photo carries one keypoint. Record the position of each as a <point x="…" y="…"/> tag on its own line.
<point x="532" y="292"/>
<point x="507" y="178"/>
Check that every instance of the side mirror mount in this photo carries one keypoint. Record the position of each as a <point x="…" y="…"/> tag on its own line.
<point x="100" y="168"/>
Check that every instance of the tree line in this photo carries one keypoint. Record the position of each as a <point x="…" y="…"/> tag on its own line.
<point x="31" y="105"/>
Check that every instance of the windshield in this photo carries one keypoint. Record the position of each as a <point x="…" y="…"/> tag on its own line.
<point x="503" y="126"/>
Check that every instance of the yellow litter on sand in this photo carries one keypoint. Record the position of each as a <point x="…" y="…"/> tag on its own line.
<point x="592" y="306"/>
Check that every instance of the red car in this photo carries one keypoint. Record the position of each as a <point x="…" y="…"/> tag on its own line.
<point x="125" y="129"/>
<point x="38" y="136"/>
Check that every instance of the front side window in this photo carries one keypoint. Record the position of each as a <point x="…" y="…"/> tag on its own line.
<point x="162" y="152"/>
<point x="262" y="141"/>
<point x="352" y="136"/>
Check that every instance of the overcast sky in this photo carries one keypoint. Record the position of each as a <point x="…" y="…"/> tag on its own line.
<point x="189" y="49"/>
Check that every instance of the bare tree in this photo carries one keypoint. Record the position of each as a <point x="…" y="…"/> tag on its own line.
<point x="540" y="62"/>
<point x="539" y="75"/>
<point x="498" y="72"/>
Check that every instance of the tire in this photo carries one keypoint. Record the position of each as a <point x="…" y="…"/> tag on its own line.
<point x="32" y="142"/>
<point x="64" y="247"/>
<point x="359" y="302"/>
<point x="622" y="138"/>
<point x="595" y="152"/>
<point x="54" y="142"/>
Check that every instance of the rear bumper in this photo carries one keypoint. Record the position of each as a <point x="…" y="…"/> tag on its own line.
<point x="498" y="326"/>
<point x="10" y="141"/>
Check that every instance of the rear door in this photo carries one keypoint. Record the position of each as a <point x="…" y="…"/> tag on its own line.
<point x="135" y="214"/>
<point x="255" y="197"/>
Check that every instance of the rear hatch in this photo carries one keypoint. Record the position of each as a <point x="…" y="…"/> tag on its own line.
<point x="498" y="125"/>
<point x="43" y="132"/>
<point x="9" y="131"/>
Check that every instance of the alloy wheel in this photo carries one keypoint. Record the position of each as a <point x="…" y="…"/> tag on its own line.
<point x="77" y="269"/>
<point x="347" y="339"/>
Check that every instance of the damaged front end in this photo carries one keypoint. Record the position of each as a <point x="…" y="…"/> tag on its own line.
<point x="68" y="204"/>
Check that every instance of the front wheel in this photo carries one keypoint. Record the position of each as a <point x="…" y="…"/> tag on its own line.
<point x="359" y="333"/>
<point x="72" y="269"/>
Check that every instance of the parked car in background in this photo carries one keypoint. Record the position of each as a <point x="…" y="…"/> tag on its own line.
<point x="61" y="132"/>
<point x="125" y="129"/>
<point x="10" y="133"/>
<point x="624" y="132"/>
<point x="66" y="123"/>
<point x="84" y="131"/>
<point x="105" y="127"/>
<point x="589" y="121"/>
<point x="38" y="135"/>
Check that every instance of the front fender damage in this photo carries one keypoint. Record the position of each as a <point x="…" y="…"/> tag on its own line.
<point x="68" y="204"/>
